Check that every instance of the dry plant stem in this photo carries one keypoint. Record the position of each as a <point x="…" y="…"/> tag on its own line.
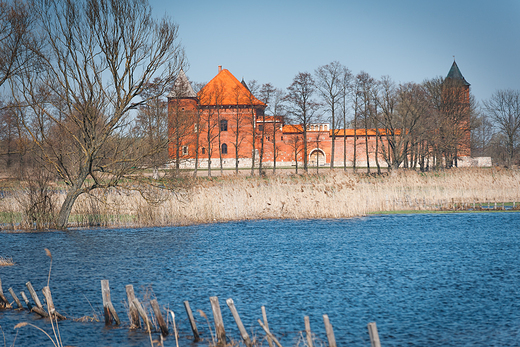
<point x="5" y="344"/>
<point x="53" y="315"/>
<point x="49" y="254"/>
<point x="269" y="334"/>
<point x="209" y="325"/>
<point x="264" y="316"/>
<point x="20" y="325"/>
<point x="175" y="329"/>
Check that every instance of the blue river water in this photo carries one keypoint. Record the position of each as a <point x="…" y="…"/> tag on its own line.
<point x="425" y="279"/>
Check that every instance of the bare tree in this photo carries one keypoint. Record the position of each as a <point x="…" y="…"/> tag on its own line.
<point x="152" y="124"/>
<point x="197" y="128"/>
<point x="451" y="110"/>
<point x="267" y="92"/>
<point x="364" y="86"/>
<point x="208" y="124"/>
<point x="346" y="93"/>
<point x="402" y="111"/>
<point x="504" y="109"/>
<point x="253" y="87"/>
<point x="100" y="56"/>
<point x="296" y="144"/>
<point x="330" y="82"/>
<point x="276" y="108"/>
<point x="18" y="44"/>
<point x="302" y="107"/>
<point x="238" y="122"/>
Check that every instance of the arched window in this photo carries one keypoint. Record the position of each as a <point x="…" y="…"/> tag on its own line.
<point x="224" y="148"/>
<point x="223" y="125"/>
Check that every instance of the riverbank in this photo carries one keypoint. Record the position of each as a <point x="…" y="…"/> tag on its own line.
<point x="328" y="195"/>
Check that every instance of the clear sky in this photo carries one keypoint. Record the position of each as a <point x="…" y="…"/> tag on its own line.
<point x="408" y="40"/>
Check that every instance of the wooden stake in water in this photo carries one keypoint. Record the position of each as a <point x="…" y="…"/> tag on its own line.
<point x="269" y="333"/>
<point x="15" y="297"/>
<point x="39" y="307"/>
<point x="219" y="322"/>
<point x="108" y="308"/>
<point x="308" y="332"/>
<point x="134" y="315"/>
<point x="24" y="297"/>
<point x="3" y="298"/>
<point x="50" y="303"/>
<point x="34" y="295"/>
<point x="159" y="316"/>
<point x="243" y="332"/>
<point x="330" y="332"/>
<point x="196" y="336"/>
<point x="143" y="314"/>
<point x="264" y="316"/>
<point x="175" y="329"/>
<point x="374" y="336"/>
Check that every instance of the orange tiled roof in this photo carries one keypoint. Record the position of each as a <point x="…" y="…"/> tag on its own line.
<point x="361" y="132"/>
<point x="225" y="89"/>
<point x="292" y="128"/>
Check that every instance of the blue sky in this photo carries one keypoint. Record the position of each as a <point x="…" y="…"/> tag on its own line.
<point x="408" y="40"/>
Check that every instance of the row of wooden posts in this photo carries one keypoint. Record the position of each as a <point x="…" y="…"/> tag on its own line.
<point x="137" y="312"/>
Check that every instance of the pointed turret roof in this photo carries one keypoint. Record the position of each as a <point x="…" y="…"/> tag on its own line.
<point x="182" y="87"/>
<point x="456" y="75"/>
<point x="226" y="89"/>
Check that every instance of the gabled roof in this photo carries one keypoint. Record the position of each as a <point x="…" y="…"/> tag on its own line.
<point x="182" y="87"/>
<point x="225" y="89"/>
<point x="456" y="75"/>
<point x="362" y="132"/>
<point x="292" y="128"/>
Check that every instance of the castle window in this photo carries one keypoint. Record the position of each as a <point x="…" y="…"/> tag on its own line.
<point x="223" y="125"/>
<point x="184" y="150"/>
<point x="203" y="150"/>
<point x="224" y="148"/>
<point x="261" y="127"/>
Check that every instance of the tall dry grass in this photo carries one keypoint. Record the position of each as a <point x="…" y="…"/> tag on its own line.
<point x="330" y="195"/>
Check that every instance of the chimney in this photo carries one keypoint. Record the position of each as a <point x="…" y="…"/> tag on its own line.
<point x="219" y="68"/>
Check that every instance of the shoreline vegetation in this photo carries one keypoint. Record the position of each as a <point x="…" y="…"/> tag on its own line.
<point x="331" y="194"/>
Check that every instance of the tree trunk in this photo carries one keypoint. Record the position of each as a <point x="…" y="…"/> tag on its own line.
<point x="305" y="163"/>
<point x="66" y="207"/>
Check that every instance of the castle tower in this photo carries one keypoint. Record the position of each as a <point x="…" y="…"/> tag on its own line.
<point x="456" y="104"/>
<point x="182" y="108"/>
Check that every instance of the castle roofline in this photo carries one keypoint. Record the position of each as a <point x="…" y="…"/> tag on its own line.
<point x="226" y="89"/>
<point x="455" y="74"/>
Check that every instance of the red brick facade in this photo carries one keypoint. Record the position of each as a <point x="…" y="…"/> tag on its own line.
<point x="225" y="121"/>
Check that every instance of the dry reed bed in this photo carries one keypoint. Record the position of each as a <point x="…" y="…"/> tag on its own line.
<point x="329" y="195"/>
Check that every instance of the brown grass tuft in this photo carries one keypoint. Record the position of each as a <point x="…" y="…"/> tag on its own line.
<point x="20" y="325"/>
<point x="6" y="261"/>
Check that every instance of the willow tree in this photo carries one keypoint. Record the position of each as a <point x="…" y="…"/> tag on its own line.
<point x="99" y="57"/>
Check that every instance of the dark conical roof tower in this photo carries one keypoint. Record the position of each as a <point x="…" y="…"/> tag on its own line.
<point x="456" y="75"/>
